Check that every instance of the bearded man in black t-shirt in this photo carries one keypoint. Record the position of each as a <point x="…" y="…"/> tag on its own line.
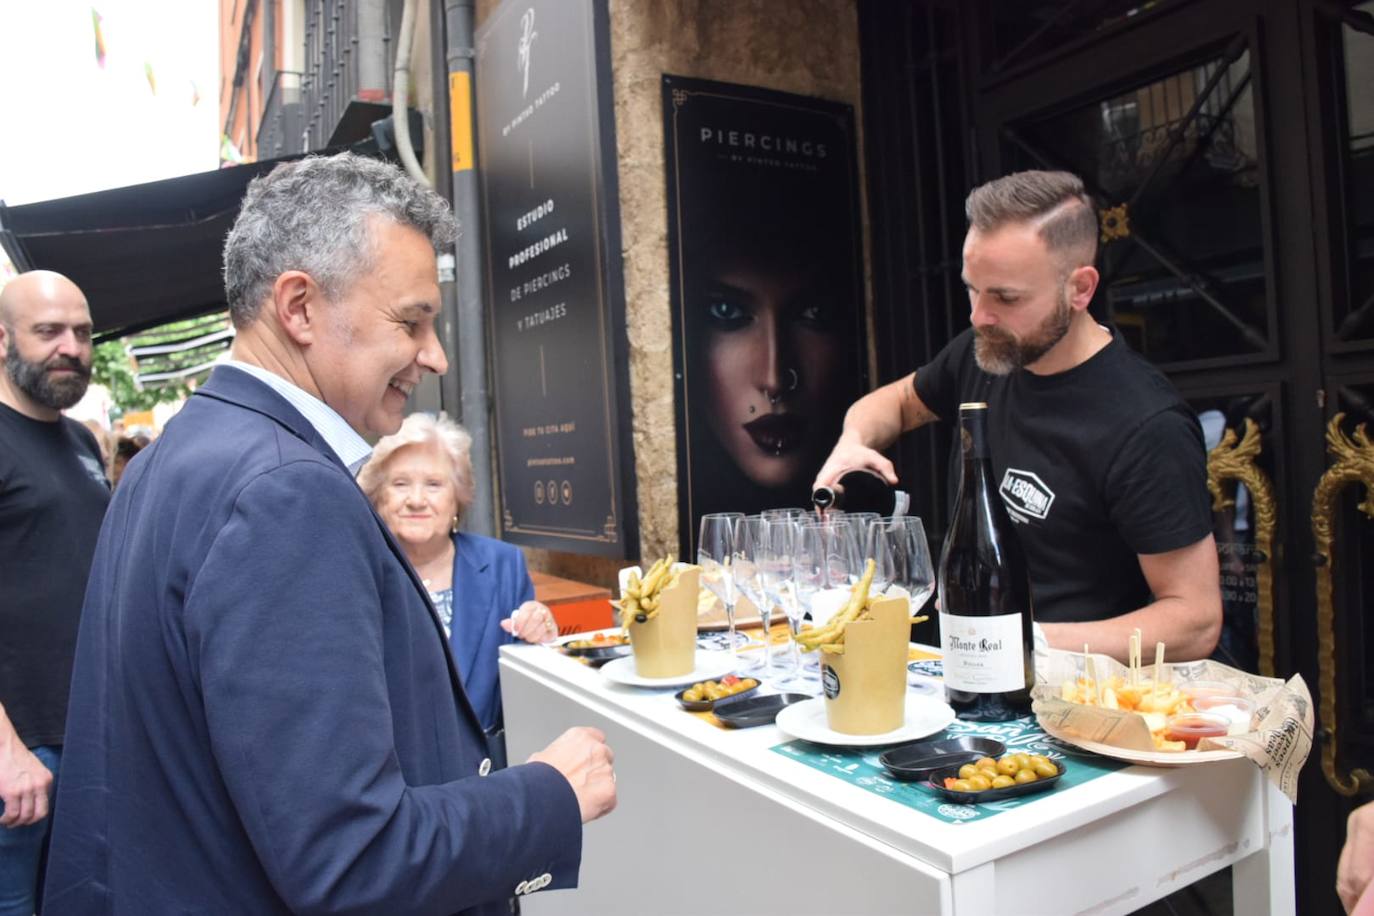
<point x="53" y="494"/>
<point x="1099" y="461"/>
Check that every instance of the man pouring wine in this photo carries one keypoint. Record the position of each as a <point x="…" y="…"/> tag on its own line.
<point x="1099" y="462"/>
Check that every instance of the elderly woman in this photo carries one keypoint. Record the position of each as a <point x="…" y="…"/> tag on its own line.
<point x="420" y="481"/>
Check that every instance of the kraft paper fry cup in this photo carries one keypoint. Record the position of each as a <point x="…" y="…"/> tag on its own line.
<point x="666" y="645"/>
<point x="865" y="688"/>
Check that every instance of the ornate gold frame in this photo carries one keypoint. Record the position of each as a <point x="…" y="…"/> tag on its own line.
<point x="1230" y="460"/>
<point x="1354" y="463"/>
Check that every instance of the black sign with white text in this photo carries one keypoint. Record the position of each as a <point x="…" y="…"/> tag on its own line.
<point x="553" y="283"/>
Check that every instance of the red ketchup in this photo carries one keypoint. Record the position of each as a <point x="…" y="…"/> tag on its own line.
<point x="1192" y="727"/>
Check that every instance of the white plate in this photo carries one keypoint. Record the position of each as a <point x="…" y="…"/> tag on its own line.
<point x="806" y="720"/>
<point x="709" y="665"/>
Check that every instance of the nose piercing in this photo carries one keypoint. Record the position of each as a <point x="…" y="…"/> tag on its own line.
<point x="793" y="380"/>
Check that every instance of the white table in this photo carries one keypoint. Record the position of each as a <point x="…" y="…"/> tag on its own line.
<point x="713" y="821"/>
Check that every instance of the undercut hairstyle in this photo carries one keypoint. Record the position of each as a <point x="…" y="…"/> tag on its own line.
<point x="315" y="215"/>
<point x="422" y="429"/>
<point x="1054" y="203"/>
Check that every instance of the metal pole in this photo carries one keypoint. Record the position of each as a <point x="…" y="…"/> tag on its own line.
<point x="471" y="325"/>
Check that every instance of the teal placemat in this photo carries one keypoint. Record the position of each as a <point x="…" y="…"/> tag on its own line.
<point x="860" y="767"/>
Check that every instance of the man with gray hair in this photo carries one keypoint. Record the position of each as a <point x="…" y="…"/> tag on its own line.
<point x="264" y="716"/>
<point x="53" y="495"/>
<point x="1100" y="462"/>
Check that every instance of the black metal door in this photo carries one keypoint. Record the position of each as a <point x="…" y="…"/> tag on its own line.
<point x="1230" y="146"/>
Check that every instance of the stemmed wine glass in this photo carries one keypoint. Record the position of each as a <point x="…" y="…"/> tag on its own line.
<point x="828" y="563"/>
<point x="901" y="558"/>
<point x="750" y="551"/>
<point x="775" y="562"/>
<point x="715" y="556"/>
<point x="860" y="522"/>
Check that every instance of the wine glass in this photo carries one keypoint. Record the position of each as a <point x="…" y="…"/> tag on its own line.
<point x="827" y="566"/>
<point x="790" y="514"/>
<point x="901" y="558"/>
<point x="715" y="554"/>
<point x="750" y="551"/>
<point x="860" y="522"/>
<point x="775" y="561"/>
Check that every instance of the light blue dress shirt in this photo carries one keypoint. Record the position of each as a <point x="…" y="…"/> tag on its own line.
<point x="351" y="448"/>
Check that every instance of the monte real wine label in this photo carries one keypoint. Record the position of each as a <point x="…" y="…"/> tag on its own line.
<point x="983" y="654"/>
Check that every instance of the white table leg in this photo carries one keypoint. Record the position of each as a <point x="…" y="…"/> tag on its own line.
<point x="1263" y="882"/>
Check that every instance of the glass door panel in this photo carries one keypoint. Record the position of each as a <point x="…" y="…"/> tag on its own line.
<point x="1175" y="167"/>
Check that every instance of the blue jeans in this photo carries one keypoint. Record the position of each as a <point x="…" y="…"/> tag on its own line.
<point x="24" y="849"/>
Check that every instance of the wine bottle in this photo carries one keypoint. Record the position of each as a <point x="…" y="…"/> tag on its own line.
<point x="985" y="595"/>
<point x="862" y="490"/>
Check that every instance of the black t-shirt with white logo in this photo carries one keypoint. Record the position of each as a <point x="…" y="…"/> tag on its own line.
<point x="1095" y="465"/>
<point x="53" y="495"/>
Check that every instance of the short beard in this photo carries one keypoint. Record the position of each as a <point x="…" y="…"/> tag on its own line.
<point x="32" y="378"/>
<point x="1000" y="352"/>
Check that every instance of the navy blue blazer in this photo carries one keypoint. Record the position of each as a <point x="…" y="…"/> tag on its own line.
<point x="264" y="717"/>
<point x="489" y="581"/>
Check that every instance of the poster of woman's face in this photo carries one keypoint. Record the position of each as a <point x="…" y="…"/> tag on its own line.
<point x="767" y="292"/>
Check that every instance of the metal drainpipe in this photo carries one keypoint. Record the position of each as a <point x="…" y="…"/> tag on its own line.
<point x="471" y="332"/>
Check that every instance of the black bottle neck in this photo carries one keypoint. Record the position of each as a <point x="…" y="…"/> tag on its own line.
<point x="973" y="434"/>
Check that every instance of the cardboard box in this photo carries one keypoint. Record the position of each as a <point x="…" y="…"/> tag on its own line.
<point x="865" y="687"/>
<point x="666" y="645"/>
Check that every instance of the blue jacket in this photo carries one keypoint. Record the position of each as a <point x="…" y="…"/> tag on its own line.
<point x="489" y="582"/>
<point x="263" y="715"/>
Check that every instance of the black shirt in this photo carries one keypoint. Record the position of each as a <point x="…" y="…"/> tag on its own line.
<point x="1095" y="465"/>
<point x="53" y="495"/>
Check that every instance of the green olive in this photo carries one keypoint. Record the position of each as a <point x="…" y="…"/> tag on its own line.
<point x="1001" y="782"/>
<point x="984" y="762"/>
<point x="979" y="783"/>
<point x="961" y="785"/>
<point x="692" y="695"/>
<point x="1007" y="766"/>
<point x="1025" y="776"/>
<point x="1038" y="758"/>
<point x="1044" y="769"/>
<point x="968" y="771"/>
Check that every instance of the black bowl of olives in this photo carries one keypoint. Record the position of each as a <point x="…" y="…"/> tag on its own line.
<point x="702" y="697"/>
<point x="599" y="649"/>
<point x="986" y="779"/>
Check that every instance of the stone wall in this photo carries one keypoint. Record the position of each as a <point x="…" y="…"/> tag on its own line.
<point x="809" y="47"/>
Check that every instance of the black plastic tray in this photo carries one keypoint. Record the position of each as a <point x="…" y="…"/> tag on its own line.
<point x="990" y="795"/>
<point x="916" y="761"/>
<point x="744" y="711"/>
<point x="708" y="705"/>
<point x="597" y="656"/>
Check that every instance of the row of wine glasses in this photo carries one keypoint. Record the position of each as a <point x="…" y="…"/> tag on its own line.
<point x="805" y="564"/>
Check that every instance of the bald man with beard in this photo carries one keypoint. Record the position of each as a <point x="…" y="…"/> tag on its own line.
<point x="53" y="495"/>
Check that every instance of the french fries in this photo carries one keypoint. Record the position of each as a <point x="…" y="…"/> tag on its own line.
<point x="830" y="638"/>
<point x="640" y="600"/>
